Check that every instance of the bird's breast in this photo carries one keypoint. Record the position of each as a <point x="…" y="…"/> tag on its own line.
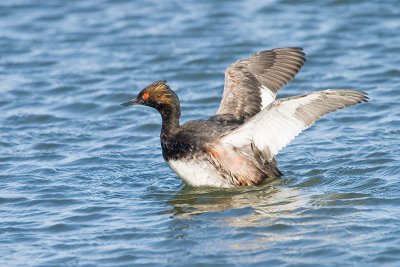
<point x="198" y="172"/>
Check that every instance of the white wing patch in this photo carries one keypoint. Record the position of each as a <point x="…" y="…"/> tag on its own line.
<point x="278" y="124"/>
<point x="267" y="96"/>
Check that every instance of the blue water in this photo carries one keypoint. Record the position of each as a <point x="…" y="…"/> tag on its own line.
<point x="82" y="179"/>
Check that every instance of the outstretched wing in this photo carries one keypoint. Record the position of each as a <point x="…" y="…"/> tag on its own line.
<point x="273" y="128"/>
<point x="252" y="84"/>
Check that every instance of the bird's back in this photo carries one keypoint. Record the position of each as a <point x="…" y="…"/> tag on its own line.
<point x="194" y="135"/>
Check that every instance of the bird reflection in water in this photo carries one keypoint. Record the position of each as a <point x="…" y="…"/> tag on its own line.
<point x="240" y="205"/>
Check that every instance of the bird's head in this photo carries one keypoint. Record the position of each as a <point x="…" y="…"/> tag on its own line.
<point x="157" y="95"/>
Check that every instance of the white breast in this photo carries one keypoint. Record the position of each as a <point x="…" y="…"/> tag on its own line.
<point x="198" y="173"/>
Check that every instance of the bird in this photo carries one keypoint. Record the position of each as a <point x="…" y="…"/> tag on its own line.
<point x="238" y="145"/>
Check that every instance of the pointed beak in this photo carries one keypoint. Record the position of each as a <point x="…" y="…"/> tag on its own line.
<point x="131" y="102"/>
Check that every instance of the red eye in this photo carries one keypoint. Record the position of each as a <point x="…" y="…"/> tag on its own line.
<point x="145" y="96"/>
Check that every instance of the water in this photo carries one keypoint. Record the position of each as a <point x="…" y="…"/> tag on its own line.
<point x="82" y="179"/>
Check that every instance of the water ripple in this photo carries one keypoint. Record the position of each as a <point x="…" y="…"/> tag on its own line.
<point x="83" y="182"/>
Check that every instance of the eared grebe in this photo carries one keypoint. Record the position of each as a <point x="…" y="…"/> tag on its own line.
<point x="237" y="146"/>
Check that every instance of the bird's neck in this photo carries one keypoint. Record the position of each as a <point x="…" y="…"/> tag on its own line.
<point x="170" y="118"/>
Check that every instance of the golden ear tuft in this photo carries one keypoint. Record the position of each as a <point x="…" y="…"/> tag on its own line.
<point x="160" y="88"/>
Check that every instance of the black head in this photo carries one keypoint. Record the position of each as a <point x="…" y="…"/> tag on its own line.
<point x="157" y="95"/>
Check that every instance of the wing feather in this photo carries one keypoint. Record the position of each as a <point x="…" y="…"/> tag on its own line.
<point x="252" y="84"/>
<point x="278" y="124"/>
